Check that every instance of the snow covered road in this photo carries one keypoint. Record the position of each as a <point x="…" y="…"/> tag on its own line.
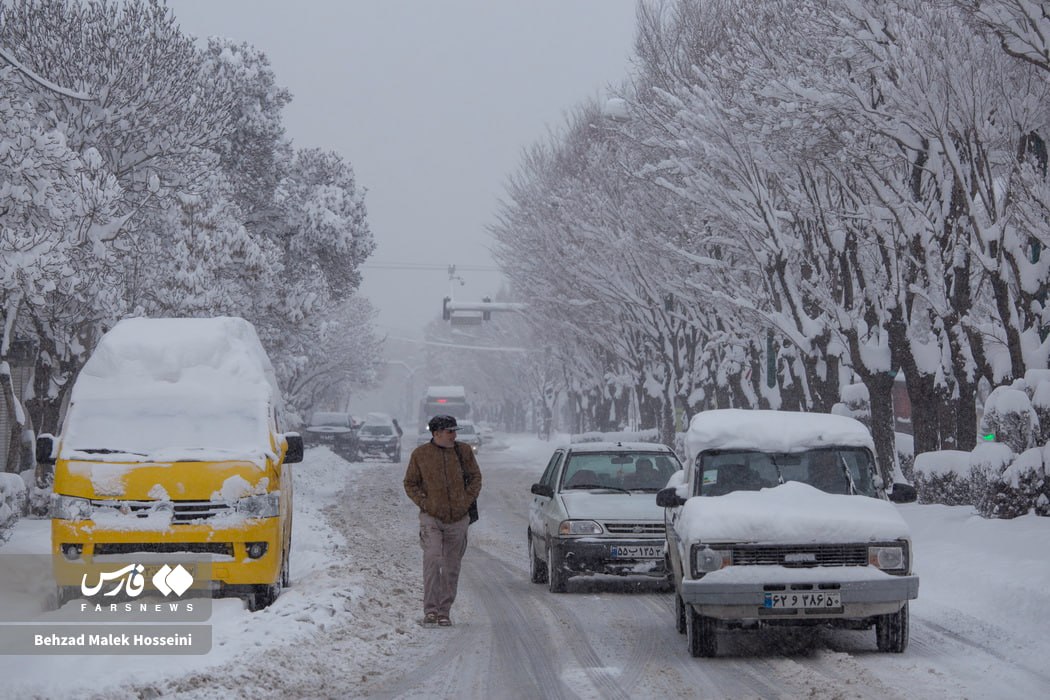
<point x="348" y="627"/>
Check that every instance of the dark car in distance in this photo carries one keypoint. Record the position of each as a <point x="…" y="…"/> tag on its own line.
<point x="334" y="429"/>
<point x="379" y="437"/>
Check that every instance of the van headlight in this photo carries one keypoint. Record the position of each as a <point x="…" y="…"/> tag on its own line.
<point x="579" y="527"/>
<point x="70" y="508"/>
<point x="268" y="505"/>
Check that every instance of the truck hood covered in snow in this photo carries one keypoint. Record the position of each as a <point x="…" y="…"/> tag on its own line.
<point x="789" y="513"/>
<point x="611" y="505"/>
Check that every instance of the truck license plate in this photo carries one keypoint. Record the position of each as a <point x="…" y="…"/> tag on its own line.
<point x="642" y="552"/>
<point x="803" y="599"/>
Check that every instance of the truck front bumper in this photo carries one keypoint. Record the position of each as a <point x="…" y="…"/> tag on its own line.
<point x="863" y="592"/>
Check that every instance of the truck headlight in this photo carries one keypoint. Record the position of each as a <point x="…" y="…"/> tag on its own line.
<point x="70" y="508"/>
<point x="887" y="558"/>
<point x="579" y="527"/>
<point x="706" y="559"/>
<point x="268" y="505"/>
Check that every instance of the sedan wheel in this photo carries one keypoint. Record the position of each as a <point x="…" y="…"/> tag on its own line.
<point x="555" y="575"/>
<point x="537" y="568"/>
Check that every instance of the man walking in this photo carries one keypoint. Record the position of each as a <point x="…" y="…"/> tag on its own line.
<point x="443" y="479"/>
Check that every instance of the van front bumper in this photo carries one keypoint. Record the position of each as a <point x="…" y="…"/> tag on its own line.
<point x="222" y="550"/>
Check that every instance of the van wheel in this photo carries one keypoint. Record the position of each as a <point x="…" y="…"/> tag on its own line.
<point x="263" y="596"/>
<point x="891" y="631"/>
<point x="700" y="634"/>
<point x="286" y="576"/>
<point x="64" y="594"/>
<point x="537" y="569"/>
<point x="679" y="614"/>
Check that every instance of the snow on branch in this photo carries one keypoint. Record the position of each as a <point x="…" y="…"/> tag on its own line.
<point x="44" y="82"/>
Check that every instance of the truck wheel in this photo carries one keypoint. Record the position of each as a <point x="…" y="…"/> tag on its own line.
<point x="537" y="569"/>
<point x="679" y="614"/>
<point x="891" y="631"/>
<point x="700" y="634"/>
<point x="555" y="574"/>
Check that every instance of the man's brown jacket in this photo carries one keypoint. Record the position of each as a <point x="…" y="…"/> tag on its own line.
<point x="434" y="480"/>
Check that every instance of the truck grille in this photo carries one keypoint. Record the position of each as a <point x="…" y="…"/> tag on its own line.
<point x="801" y="556"/>
<point x="183" y="512"/>
<point x="634" y="528"/>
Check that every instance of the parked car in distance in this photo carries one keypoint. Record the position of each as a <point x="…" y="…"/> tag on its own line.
<point x="780" y="518"/>
<point x="468" y="434"/>
<point x="334" y="429"/>
<point x="379" y="437"/>
<point x="593" y="512"/>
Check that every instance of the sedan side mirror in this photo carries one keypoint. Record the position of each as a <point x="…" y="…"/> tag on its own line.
<point x="543" y="490"/>
<point x="45" y="448"/>
<point x="903" y="493"/>
<point x="669" y="498"/>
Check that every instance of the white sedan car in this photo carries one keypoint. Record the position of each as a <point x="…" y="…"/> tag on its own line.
<point x="594" y="512"/>
<point x="469" y="434"/>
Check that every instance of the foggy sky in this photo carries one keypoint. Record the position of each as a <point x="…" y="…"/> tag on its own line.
<point x="431" y="103"/>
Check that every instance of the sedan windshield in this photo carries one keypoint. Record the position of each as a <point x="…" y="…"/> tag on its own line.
<point x="621" y="471"/>
<point x="382" y="430"/>
<point x="845" y="470"/>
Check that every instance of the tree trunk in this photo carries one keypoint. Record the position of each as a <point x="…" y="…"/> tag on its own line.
<point x="880" y="389"/>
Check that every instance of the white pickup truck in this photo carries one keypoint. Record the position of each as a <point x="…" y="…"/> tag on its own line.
<point x="780" y="518"/>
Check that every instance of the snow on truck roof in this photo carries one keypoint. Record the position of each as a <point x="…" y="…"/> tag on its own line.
<point x="452" y="392"/>
<point x="157" y="357"/>
<point x="772" y="431"/>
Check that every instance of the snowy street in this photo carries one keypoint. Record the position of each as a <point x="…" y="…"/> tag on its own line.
<point x="348" y="627"/>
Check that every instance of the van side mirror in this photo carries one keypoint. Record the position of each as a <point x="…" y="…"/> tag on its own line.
<point x="543" y="490"/>
<point x="295" y="448"/>
<point x="903" y="493"/>
<point x="669" y="498"/>
<point x="45" y="448"/>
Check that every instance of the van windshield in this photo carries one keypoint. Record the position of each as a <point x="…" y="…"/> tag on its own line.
<point x="172" y="426"/>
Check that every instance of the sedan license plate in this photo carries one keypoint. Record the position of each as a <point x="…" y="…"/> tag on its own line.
<point x="807" y="600"/>
<point x="641" y="552"/>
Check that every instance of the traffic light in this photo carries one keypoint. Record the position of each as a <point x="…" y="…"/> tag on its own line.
<point x="485" y="313"/>
<point x="446" y="313"/>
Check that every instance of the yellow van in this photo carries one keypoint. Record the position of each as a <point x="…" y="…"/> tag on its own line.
<point x="172" y="448"/>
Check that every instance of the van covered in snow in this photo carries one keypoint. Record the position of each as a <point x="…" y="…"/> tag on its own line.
<point x="172" y="450"/>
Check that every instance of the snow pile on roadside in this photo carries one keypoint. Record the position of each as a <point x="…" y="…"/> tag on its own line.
<point x="348" y="616"/>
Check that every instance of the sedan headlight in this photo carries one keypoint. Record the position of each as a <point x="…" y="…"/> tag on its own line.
<point x="70" y="508"/>
<point x="888" y="558"/>
<point x="579" y="527"/>
<point x="268" y="505"/>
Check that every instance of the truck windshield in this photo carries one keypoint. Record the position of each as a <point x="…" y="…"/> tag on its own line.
<point x="842" y="470"/>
